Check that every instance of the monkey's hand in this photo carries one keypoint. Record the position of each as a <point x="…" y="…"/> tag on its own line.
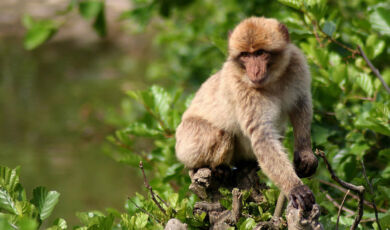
<point x="305" y="163"/>
<point x="302" y="197"/>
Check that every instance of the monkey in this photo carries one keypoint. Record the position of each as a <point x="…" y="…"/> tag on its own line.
<point x="239" y="114"/>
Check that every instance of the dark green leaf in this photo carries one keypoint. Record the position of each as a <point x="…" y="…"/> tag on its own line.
<point x="91" y="8"/>
<point x="329" y="28"/>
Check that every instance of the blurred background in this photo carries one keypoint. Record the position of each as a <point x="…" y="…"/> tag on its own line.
<point x="57" y="105"/>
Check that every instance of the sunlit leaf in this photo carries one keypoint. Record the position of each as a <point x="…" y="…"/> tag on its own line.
<point x="38" y="32"/>
<point x="296" y="4"/>
<point x="45" y="201"/>
<point x="9" y="178"/>
<point x="7" y="203"/>
<point x="380" y="19"/>
<point x="365" y="82"/>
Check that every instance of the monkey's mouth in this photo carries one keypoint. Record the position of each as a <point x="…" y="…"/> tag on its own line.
<point x="259" y="81"/>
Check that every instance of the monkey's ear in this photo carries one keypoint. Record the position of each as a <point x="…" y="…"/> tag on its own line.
<point x="229" y="33"/>
<point x="283" y="29"/>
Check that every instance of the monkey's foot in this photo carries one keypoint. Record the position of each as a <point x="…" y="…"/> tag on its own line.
<point x="299" y="219"/>
<point x="201" y="180"/>
<point x="175" y="224"/>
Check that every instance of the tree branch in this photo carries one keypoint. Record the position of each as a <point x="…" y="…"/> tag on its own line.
<point x="147" y="185"/>
<point x="341" y="206"/>
<point x="374" y="70"/>
<point x="334" y="202"/>
<point x="358" y="189"/>
<point x="367" y="203"/>
<point x="372" y="193"/>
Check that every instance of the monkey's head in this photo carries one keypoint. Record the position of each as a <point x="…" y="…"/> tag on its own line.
<point x="257" y="45"/>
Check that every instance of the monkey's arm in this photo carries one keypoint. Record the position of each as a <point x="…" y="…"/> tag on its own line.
<point x="305" y="162"/>
<point x="259" y="125"/>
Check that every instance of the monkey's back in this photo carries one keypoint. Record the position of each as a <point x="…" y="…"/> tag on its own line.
<point x="212" y="103"/>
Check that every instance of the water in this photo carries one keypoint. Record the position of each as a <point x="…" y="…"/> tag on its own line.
<point x="54" y="106"/>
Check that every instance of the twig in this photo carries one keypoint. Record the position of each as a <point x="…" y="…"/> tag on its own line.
<point x="147" y="185"/>
<point x="374" y="70"/>
<point x="143" y="210"/>
<point x="372" y="197"/>
<point x="369" y="204"/>
<point x="368" y="220"/>
<point x="334" y="202"/>
<point x="236" y="205"/>
<point x="279" y="205"/>
<point x="359" y="189"/>
<point x="341" y="206"/>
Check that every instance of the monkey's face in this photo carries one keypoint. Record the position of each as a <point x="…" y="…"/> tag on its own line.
<point x="255" y="44"/>
<point x="256" y="65"/>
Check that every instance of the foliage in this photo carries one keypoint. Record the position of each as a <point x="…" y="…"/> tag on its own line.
<point x="17" y="210"/>
<point x="352" y="111"/>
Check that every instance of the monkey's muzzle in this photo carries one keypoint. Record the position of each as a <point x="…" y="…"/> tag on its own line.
<point x="256" y="69"/>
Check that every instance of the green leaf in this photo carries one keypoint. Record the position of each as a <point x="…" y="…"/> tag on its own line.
<point x="248" y="224"/>
<point x="365" y="82"/>
<point x="100" y="23"/>
<point x="162" y="101"/>
<point x="329" y="28"/>
<point x="45" y="201"/>
<point x="38" y="32"/>
<point x="27" y="21"/>
<point x="296" y="4"/>
<point x="91" y="8"/>
<point x="61" y="223"/>
<point x="27" y="223"/>
<point x="7" y="203"/>
<point x="380" y="19"/>
<point x="9" y="178"/>
<point x="141" y="129"/>
<point x="4" y="223"/>
<point x="141" y="220"/>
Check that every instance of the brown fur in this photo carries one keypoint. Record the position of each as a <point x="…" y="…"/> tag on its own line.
<point x="233" y="118"/>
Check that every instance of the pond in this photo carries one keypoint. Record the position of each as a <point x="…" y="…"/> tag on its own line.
<point x="57" y="105"/>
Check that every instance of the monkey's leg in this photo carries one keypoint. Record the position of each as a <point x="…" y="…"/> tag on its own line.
<point x="201" y="144"/>
<point x="305" y="162"/>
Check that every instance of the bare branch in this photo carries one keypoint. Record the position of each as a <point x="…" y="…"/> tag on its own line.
<point x="372" y="193"/>
<point x="374" y="70"/>
<point x="341" y="206"/>
<point x="334" y="202"/>
<point x="367" y="203"/>
<point x="358" y="189"/>
<point x="147" y="185"/>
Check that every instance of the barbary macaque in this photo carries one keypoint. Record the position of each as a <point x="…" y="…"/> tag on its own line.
<point x="239" y="114"/>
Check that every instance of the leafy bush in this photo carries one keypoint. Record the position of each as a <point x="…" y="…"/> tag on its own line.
<point x="351" y="106"/>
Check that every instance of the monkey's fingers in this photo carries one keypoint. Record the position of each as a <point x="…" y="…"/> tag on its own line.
<point x="302" y="197"/>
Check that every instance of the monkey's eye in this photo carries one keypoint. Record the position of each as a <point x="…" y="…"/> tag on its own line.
<point x="244" y="54"/>
<point x="259" y="52"/>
